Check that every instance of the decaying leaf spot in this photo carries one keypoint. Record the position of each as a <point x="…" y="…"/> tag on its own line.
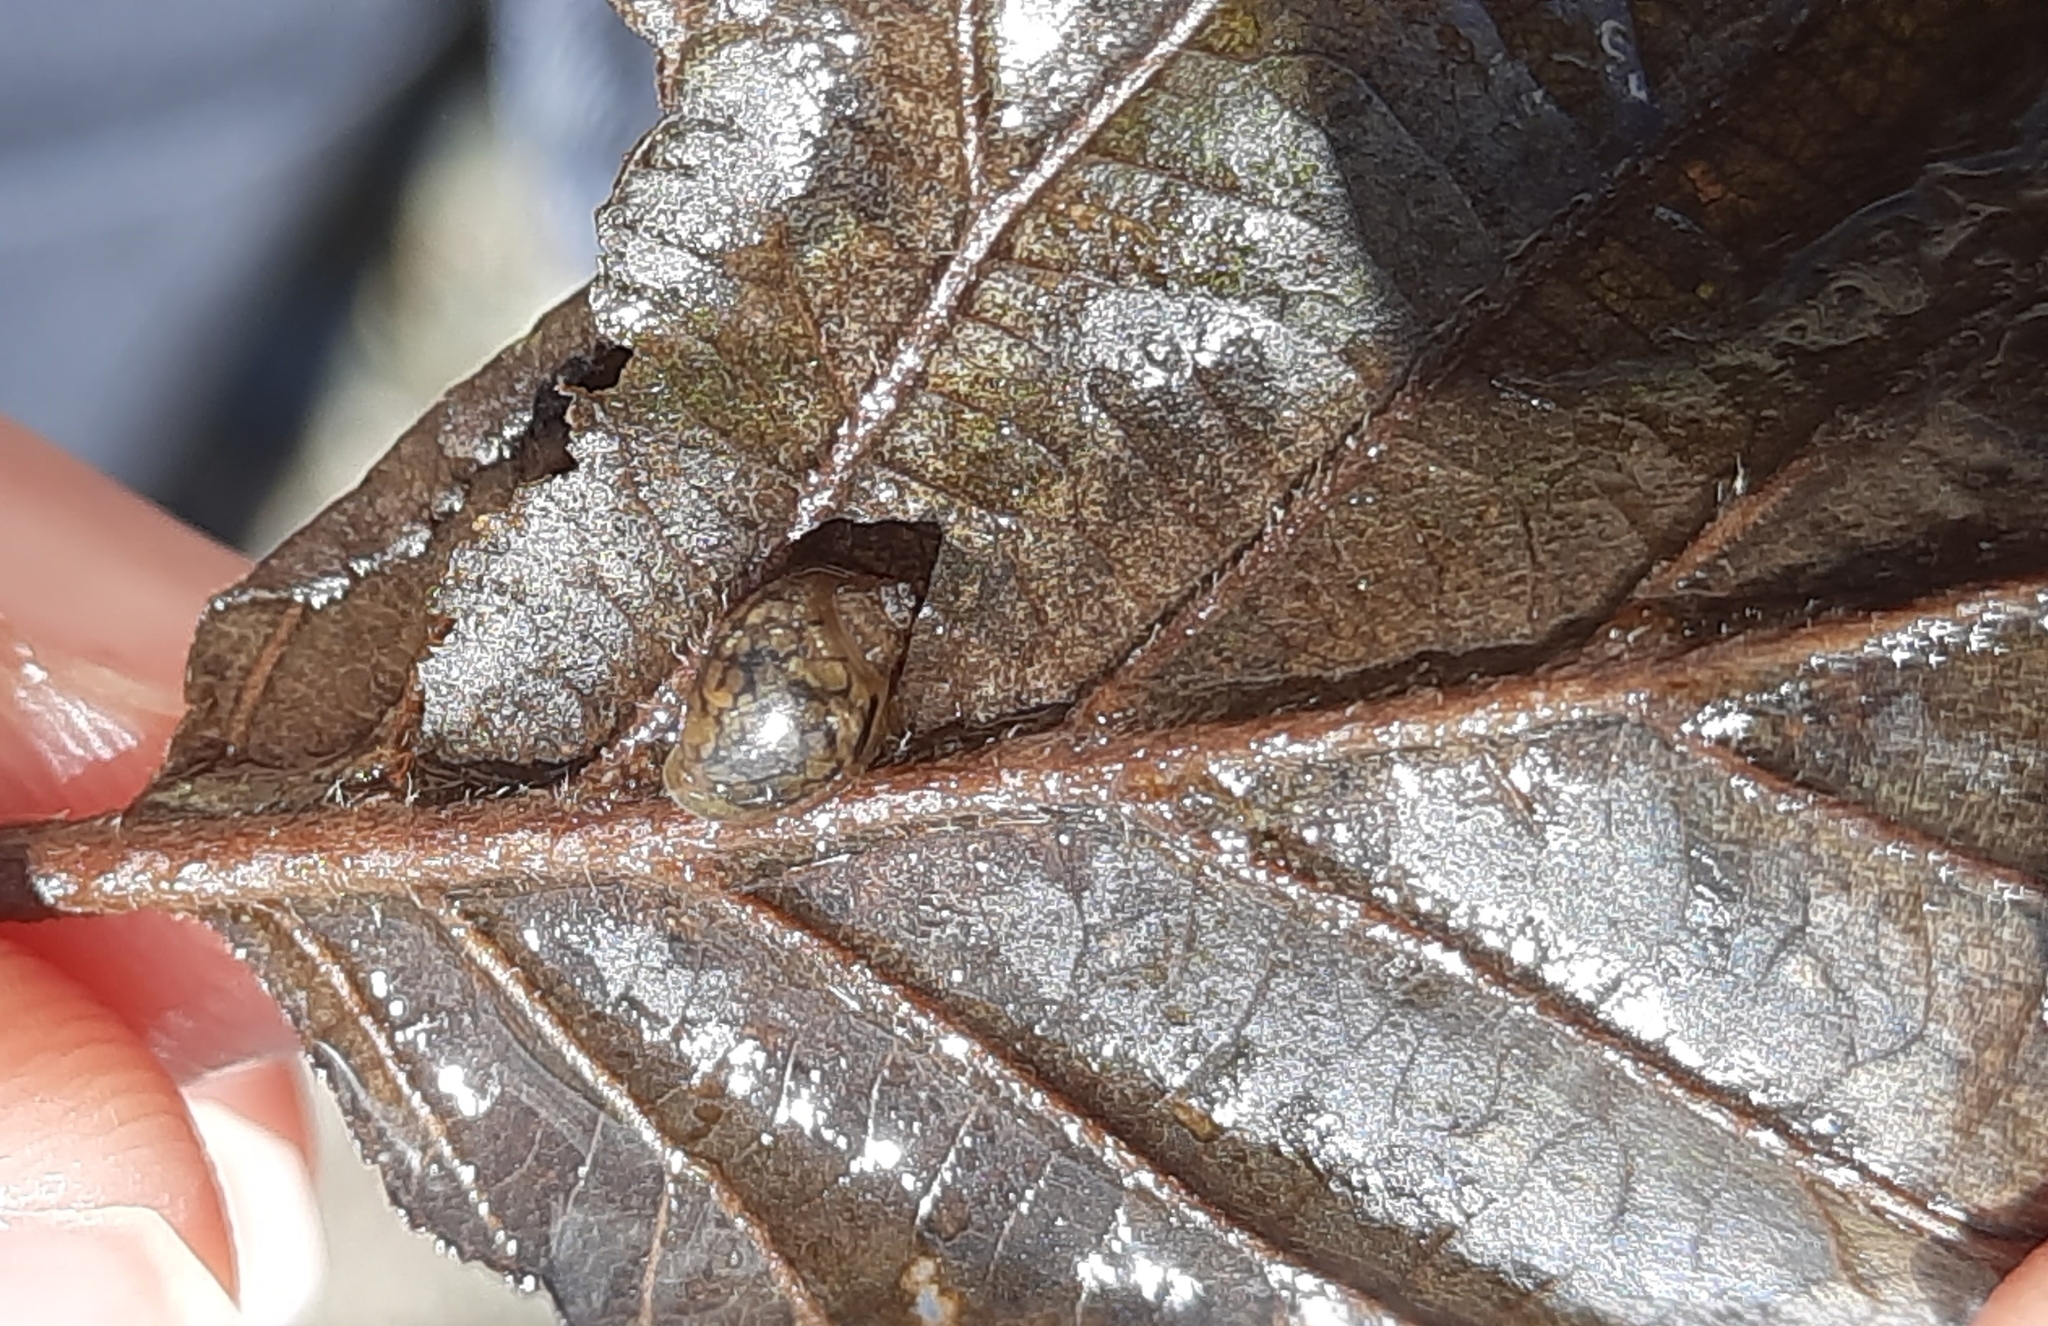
<point x="793" y="694"/>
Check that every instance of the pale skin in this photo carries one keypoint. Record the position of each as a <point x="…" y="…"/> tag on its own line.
<point x="110" y="1028"/>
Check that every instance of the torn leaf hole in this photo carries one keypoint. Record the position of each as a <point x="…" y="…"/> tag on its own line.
<point x="898" y="550"/>
<point x="545" y="450"/>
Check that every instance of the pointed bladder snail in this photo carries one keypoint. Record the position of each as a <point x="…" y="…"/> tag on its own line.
<point x="792" y="695"/>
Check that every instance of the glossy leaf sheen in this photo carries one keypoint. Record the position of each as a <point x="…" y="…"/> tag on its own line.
<point x="1475" y="747"/>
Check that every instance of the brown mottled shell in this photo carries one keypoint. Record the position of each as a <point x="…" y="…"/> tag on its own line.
<point x="792" y="695"/>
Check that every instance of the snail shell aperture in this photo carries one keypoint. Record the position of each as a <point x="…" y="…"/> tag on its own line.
<point x="792" y="696"/>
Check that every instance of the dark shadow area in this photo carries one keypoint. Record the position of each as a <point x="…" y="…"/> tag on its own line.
<point x="18" y="898"/>
<point x="887" y="550"/>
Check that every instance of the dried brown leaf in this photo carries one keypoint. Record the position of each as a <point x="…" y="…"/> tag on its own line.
<point x="1474" y="747"/>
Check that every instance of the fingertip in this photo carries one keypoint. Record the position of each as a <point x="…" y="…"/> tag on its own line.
<point x="267" y="1186"/>
<point x="93" y="1122"/>
<point x="2022" y="1300"/>
<point x="76" y="738"/>
<point x="115" y="1266"/>
<point x="95" y="573"/>
<point x="100" y="592"/>
<point x="172" y="981"/>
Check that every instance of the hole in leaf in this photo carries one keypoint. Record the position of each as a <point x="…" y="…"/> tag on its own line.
<point x="545" y="449"/>
<point x="886" y="549"/>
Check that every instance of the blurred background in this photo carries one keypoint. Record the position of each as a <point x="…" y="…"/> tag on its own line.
<point x="243" y="244"/>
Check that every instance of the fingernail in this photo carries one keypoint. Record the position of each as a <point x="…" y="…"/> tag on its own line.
<point x="280" y="1255"/>
<point x="74" y="736"/>
<point x="114" y="1266"/>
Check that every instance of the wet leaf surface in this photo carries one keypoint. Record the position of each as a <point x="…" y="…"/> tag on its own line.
<point x="1471" y="747"/>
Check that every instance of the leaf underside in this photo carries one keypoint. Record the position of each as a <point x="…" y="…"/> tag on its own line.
<point x="1475" y="750"/>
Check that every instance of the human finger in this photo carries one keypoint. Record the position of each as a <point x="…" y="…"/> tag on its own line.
<point x="130" y="1040"/>
<point x="2023" y="1299"/>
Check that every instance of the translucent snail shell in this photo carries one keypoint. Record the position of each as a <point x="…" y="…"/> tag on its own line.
<point x="791" y="696"/>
